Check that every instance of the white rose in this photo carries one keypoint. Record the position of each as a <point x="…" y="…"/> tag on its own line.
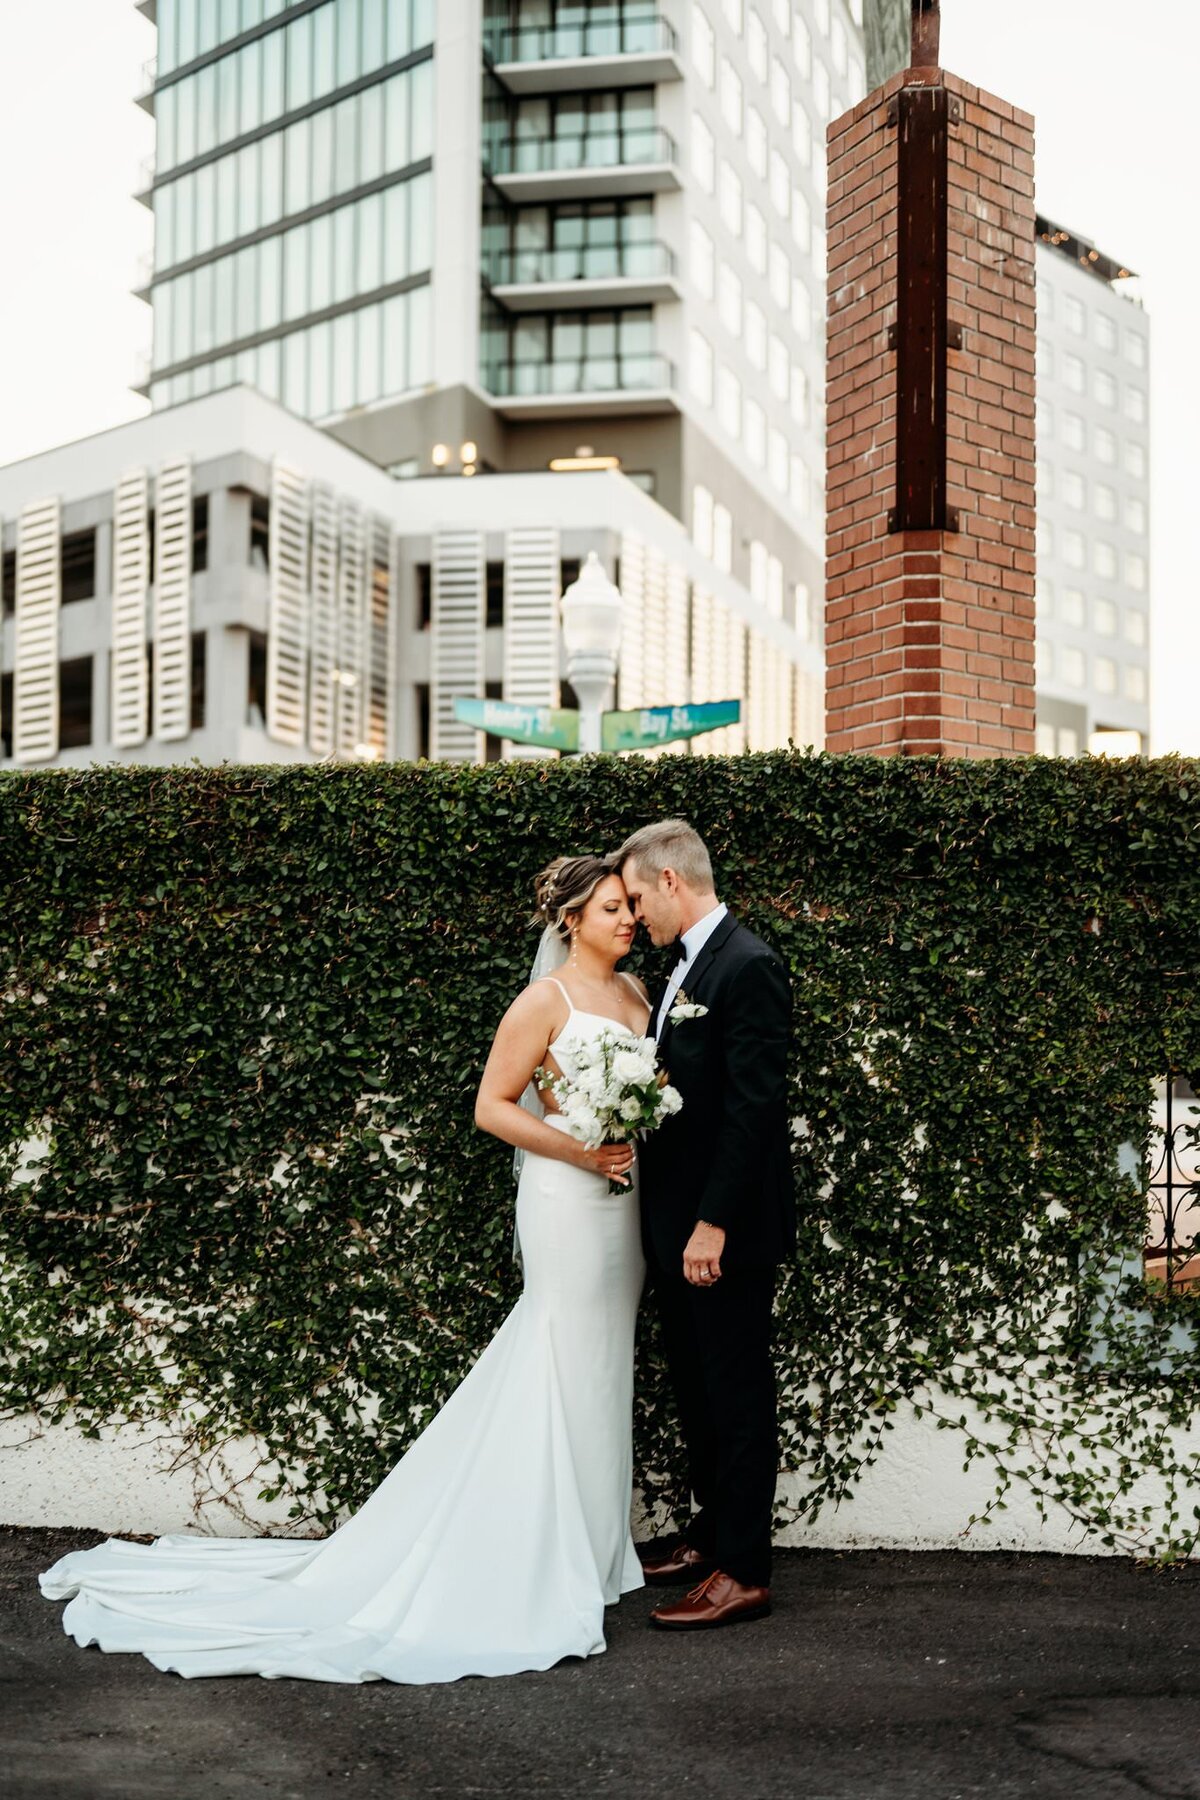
<point x="631" y="1109"/>
<point x="669" y="1101"/>
<point x="629" y="1067"/>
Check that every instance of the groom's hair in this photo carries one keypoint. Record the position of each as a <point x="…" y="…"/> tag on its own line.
<point x="671" y="844"/>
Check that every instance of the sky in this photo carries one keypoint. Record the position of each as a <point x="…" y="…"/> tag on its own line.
<point x="1111" y="86"/>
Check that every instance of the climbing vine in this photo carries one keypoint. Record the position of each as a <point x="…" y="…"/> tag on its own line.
<point x="245" y="1010"/>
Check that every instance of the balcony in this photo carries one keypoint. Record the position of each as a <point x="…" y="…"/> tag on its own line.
<point x="607" y="54"/>
<point x="145" y="93"/>
<point x="622" y="159"/>
<point x="145" y="182"/>
<point x="585" y="275"/>
<point x="143" y="276"/>
<point x="584" y="387"/>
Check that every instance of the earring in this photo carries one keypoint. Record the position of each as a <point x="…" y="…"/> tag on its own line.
<point x="575" y="948"/>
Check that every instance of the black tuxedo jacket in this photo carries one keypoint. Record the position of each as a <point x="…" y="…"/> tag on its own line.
<point x="726" y="1155"/>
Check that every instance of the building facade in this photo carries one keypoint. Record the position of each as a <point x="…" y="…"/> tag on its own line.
<point x="1093" y="447"/>
<point x="223" y="581"/>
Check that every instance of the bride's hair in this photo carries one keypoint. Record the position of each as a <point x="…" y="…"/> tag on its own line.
<point x="566" y="885"/>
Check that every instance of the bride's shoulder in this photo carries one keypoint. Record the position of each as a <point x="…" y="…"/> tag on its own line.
<point x="541" y="999"/>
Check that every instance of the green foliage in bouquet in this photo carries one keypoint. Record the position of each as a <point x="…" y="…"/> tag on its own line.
<point x="245" y="1014"/>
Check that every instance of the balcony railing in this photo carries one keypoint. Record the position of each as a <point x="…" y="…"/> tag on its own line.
<point x="562" y="43"/>
<point x="584" y="262"/>
<point x="581" y="375"/>
<point x="608" y="149"/>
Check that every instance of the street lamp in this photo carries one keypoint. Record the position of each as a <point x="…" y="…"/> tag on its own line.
<point x="591" y="625"/>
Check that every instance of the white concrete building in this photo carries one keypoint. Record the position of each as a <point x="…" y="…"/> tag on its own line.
<point x="1093" y="437"/>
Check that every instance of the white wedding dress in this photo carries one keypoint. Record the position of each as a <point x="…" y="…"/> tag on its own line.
<point x="495" y="1543"/>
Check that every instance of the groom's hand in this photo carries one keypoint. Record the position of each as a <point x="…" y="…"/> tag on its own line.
<point x="702" y="1255"/>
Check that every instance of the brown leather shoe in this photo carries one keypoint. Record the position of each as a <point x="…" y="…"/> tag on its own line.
<point x="719" y="1600"/>
<point x="676" y="1563"/>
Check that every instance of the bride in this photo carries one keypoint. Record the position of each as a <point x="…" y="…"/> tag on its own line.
<point x="497" y="1541"/>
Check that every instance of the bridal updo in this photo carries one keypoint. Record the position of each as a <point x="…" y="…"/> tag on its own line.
<point x="565" y="886"/>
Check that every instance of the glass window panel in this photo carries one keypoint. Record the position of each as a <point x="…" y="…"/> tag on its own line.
<point x="420" y="360"/>
<point x="164" y="226"/>
<point x="343" y="253"/>
<point x="299" y="35"/>
<point x="344" y="368"/>
<point x="345" y="145"/>
<point x="395" y="232"/>
<point x="268" y="369"/>
<point x="270" y="177"/>
<point x="185" y="122"/>
<point x="369" y="225"/>
<point x="297" y="143"/>
<point x="395" y="344"/>
<point x="168" y="55"/>
<point x="226" y="199"/>
<point x="399" y="41"/>
<point x="252" y="13"/>
<point x="201" y="380"/>
<point x="248" y="191"/>
<point x="270" y="258"/>
<point x="250" y="111"/>
<point x="324" y="76"/>
<point x="295" y="272"/>
<point x="420" y="224"/>
<point x="206" y="25"/>
<point x="637" y="332"/>
<point x="163" y="324"/>
<point x="322" y="154"/>
<point x="320" y="369"/>
<point x="272" y="76"/>
<point x="420" y="101"/>
<point x="230" y="19"/>
<point x="395" y="122"/>
<point x="320" y="245"/>
<point x="246" y="366"/>
<point x="227" y="97"/>
<point x="245" y="291"/>
<point x="185" y="31"/>
<point x="205" y="83"/>
<point x="368" y="354"/>
<point x="223" y="300"/>
<point x="348" y="63"/>
<point x="295" y="372"/>
<point x="165" y="120"/>
<point x="422" y="23"/>
<point x="370" y="139"/>
<point x="205" y="180"/>
<point x="372" y="35"/>
<point x="183" y="334"/>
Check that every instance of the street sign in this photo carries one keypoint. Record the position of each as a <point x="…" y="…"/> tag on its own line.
<point x="651" y="725"/>
<point x="553" y="728"/>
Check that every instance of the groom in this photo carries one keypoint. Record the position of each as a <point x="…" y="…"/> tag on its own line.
<point x="718" y="1213"/>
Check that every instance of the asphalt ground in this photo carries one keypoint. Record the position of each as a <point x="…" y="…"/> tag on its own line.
<point x="880" y="1676"/>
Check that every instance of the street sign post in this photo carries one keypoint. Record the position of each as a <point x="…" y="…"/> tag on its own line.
<point x="553" y="728"/>
<point x="557" y="728"/>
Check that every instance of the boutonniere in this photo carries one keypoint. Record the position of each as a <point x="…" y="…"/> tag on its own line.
<point x="685" y="1009"/>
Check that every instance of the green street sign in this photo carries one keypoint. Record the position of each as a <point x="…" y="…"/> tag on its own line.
<point x="651" y="725"/>
<point x="553" y="728"/>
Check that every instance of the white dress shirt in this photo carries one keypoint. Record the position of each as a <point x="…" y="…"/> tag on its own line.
<point x="691" y="943"/>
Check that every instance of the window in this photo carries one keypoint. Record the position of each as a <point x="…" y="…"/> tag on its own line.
<point x="801" y="221"/>
<point x="801" y="46"/>
<point x="801" y="134"/>
<point x="1044" y="738"/>
<point x="1072" y="431"/>
<point x="821" y="15"/>
<point x="756" y="335"/>
<point x="777" y="460"/>
<point x="1045" y="417"/>
<point x="1045" y="359"/>
<point x="1068" y="741"/>
<point x="1074" y="671"/>
<point x="1135" y="572"/>
<point x="1074" y="489"/>
<point x="801" y="309"/>
<point x="758" y="572"/>
<point x="1135" y="460"/>
<point x="731" y="96"/>
<point x="1104" y="675"/>
<point x="729" y="198"/>
<point x="781" y="93"/>
<point x="1072" y="606"/>
<point x="700" y="368"/>
<point x="754" y="431"/>
<point x="702" y="520"/>
<point x="1104" y="618"/>
<point x="1074" y="315"/>
<point x="1135" y="682"/>
<point x="1044" y="478"/>
<point x="1104" y="387"/>
<point x="703" y="46"/>
<point x="799" y="491"/>
<point x="1135" y="405"/>
<point x="756" y="239"/>
<point x="777" y="366"/>
<point x="774" y="587"/>
<point x="798" y="394"/>
<point x="1074" y="550"/>
<point x="1135" y="349"/>
<point x="838" y="46"/>
<point x="780" y="278"/>
<point x="821" y="90"/>
<point x="780" y="185"/>
<point x="1045" y="298"/>
<point x="78" y="568"/>
<point x="733" y="15"/>
<point x="756" y="44"/>
<point x="1074" y="374"/>
<point x="1043" y="658"/>
<point x="756" y="140"/>
<point x="729" y="402"/>
<point x="702" y="154"/>
<point x="1104" y="501"/>
<point x="1043" y="597"/>
<point x="729" y="300"/>
<point x="700" y="261"/>
<point x="802" y="614"/>
<point x="1104" y="560"/>
<point x="1135" y="626"/>
<point x="1135" y="516"/>
<point x="723" y="538"/>
<point x="1104" y="331"/>
<point x="1104" y="445"/>
<point x="75" y="702"/>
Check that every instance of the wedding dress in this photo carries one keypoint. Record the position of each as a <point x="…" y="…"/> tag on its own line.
<point x="495" y="1543"/>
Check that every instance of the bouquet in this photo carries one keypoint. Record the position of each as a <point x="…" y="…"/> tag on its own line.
<point x="618" y="1091"/>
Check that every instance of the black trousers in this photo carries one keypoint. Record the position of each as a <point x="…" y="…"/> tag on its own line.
<point x="718" y="1347"/>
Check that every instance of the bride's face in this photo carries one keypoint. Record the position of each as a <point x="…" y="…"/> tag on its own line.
<point x="606" y="920"/>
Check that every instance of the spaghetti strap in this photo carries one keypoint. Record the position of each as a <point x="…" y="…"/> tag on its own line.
<point x="562" y="990"/>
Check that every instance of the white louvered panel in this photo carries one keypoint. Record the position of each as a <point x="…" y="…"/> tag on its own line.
<point x="457" y="648"/>
<point x="703" y="667"/>
<point x="783" y="699"/>
<point x="172" y="600"/>
<point x="757" y="710"/>
<point x="39" y="594"/>
<point x="631" y="670"/>
<point x="287" y="629"/>
<point x="350" y="690"/>
<point x="717" y="742"/>
<point x="130" y="585"/>
<point x="322" y="620"/>
<point x="654" y="630"/>
<point x="735" y="679"/>
<point x="808" y="701"/>
<point x="532" y="578"/>
<point x="392" y="748"/>
<point x="677" y="622"/>
<point x="380" y="588"/>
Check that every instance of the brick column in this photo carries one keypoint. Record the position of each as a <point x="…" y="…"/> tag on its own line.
<point x="930" y="632"/>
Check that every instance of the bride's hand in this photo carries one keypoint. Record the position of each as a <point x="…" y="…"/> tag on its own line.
<point x="614" y="1160"/>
